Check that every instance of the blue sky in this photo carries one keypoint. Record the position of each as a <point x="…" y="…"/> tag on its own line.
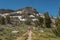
<point x="41" y="5"/>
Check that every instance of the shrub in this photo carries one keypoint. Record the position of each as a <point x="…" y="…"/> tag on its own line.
<point x="2" y="20"/>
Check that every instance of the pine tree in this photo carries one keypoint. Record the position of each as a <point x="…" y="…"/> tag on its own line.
<point x="47" y="20"/>
<point x="58" y="24"/>
<point x="57" y="29"/>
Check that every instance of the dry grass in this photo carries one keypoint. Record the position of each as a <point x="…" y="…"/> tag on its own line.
<point x="44" y="36"/>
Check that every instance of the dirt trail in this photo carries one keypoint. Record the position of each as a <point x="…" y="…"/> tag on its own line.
<point x="29" y="35"/>
<point x="22" y="37"/>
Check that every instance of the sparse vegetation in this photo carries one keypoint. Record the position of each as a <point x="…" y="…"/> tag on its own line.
<point x="6" y="31"/>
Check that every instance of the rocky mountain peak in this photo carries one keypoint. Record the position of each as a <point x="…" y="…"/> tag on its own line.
<point x="28" y="10"/>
